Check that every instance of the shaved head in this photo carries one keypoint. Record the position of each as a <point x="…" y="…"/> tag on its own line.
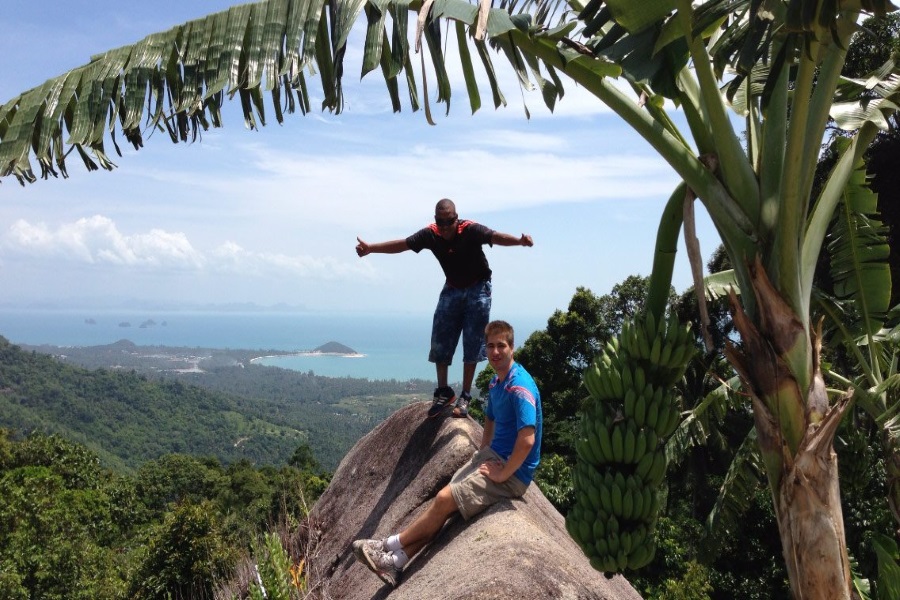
<point x="445" y="206"/>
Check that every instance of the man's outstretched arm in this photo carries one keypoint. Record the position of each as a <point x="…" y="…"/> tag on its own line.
<point x="505" y="239"/>
<point x="392" y="247"/>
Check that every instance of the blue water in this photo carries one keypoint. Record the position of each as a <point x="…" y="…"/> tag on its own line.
<point x="394" y="346"/>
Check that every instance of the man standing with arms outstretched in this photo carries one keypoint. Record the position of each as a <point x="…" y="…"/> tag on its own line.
<point x="464" y="306"/>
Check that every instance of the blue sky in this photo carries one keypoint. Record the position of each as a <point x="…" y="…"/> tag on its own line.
<point x="271" y="216"/>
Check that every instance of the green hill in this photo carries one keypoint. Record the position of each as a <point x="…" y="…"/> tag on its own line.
<point x="232" y="412"/>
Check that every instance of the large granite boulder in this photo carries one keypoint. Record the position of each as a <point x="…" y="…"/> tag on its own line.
<point x="516" y="549"/>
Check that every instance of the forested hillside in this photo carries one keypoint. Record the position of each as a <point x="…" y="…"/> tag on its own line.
<point x="261" y="414"/>
<point x="179" y="527"/>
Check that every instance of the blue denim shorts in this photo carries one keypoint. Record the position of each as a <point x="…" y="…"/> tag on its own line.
<point x="463" y="311"/>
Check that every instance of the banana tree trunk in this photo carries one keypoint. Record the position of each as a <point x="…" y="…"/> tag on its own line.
<point x="795" y="427"/>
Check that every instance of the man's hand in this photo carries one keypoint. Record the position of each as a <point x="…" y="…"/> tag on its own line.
<point x="362" y="248"/>
<point x="493" y="470"/>
<point x="526" y="240"/>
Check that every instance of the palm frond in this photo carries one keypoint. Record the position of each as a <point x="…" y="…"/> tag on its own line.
<point x="178" y="80"/>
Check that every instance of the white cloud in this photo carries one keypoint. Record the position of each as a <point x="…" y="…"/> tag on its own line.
<point x="514" y="139"/>
<point x="96" y="240"/>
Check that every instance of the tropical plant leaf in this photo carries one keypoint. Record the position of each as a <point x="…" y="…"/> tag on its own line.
<point x="652" y="57"/>
<point x="718" y="285"/>
<point x="696" y="428"/>
<point x="858" y="249"/>
<point x="868" y="99"/>
<point x="637" y="16"/>
<point x="888" y="568"/>
<point x="744" y="478"/>
<point x="177" y="80"/>
<point x="739" y="96"/>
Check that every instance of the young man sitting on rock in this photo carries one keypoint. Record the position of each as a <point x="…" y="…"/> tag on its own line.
<point x="503" y="466"/>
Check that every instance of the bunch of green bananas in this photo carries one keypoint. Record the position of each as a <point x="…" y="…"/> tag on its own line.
<point x="621" y="462"/>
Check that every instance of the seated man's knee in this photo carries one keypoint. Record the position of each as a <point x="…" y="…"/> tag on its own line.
<point x="444" y="501"/>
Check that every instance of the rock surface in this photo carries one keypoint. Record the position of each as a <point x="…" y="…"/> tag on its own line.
<point x="516" y="549"/>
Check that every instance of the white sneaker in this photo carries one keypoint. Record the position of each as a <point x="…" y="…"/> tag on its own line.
<point x="378" y="561"/>
<point x="373" y="545"/>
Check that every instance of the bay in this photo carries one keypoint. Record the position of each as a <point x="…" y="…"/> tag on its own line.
<point x="393" y="346"/>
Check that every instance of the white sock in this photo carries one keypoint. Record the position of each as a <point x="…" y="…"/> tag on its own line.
<point x="392" y="543"/>
<point x="400" y="558"/>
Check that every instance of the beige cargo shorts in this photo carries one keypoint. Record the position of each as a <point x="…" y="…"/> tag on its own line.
<point x="474" y="492"/>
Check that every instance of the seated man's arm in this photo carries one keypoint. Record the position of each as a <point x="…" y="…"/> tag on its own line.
<point x="488" y="434"/>
<point x="500" y="472"/>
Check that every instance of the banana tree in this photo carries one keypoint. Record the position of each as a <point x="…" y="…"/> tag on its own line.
<point x="776" y="63"/>
<point x="855" y="317"/>
<point x="778" y="356"/>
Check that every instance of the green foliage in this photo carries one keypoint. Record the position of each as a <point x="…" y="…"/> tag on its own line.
<point x="276" y="571"/>
<point x="304" y="460"/>
<point x="185" y="555"/>
<point x="554" y="478"/>
<point x="758" y="199"/>
<point x="863" y="492"/>
<point x="127" y="418"/>
<point x="873" y="45"/>
<point x="483" y="379"/>
<point x="177" y="478"/>
<point x="680" y="568"/>
<point x="70" y="528"/>
<point x="693" y="586"/>
<point x="750" y="563"/>
<point x="673" y="571"/>
<point x="61" y="523"/>
<point x="858" y="250"/>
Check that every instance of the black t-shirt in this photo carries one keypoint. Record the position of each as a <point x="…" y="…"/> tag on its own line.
<point x="462" y="258"/>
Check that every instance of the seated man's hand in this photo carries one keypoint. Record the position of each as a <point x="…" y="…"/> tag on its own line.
<point x="493" y="470"/>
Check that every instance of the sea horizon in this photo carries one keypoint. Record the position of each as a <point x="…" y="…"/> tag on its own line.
<point x="393" y="346"/>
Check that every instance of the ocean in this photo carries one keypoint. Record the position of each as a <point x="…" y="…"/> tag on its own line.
<point x="393" y="346"/>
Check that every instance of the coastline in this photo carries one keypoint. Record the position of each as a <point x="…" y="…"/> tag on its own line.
<point x="392" y="346"/>
<point x="309" y="354"/>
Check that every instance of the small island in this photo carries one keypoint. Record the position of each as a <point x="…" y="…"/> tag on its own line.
<point x="334" y="348"/>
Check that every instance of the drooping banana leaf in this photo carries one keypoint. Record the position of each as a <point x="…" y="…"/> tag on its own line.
<point x="177" y="80"/>
<point x="858" y="250"/>
<point x="744" y="479"/>
<point x="699" y="424"/>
